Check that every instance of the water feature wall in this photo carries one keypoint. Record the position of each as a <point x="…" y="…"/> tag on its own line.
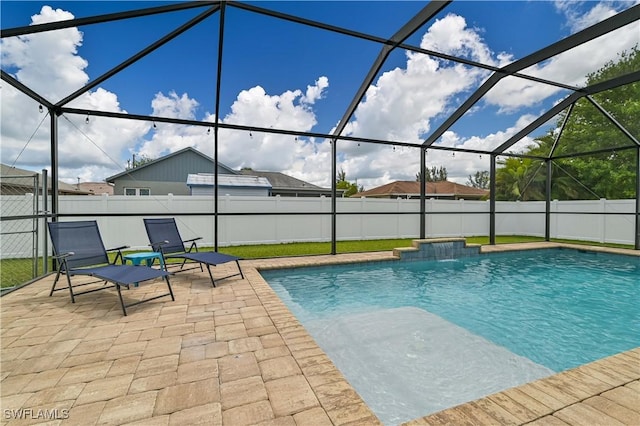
<point x="438" y="249"/>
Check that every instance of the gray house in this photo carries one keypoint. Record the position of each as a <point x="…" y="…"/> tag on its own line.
<point x="190" y="172"/>
<point x="166" y="175"/>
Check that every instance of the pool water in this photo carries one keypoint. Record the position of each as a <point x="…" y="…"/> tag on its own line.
<point x="538" y="311"/>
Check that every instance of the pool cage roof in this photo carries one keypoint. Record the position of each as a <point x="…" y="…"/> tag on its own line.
<point x="400" y="40"/>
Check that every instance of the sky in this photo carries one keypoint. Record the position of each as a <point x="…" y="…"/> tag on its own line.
<point x="288" y="76"/>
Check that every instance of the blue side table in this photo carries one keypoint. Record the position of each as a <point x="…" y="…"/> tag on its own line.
<point x="148" y="257"/>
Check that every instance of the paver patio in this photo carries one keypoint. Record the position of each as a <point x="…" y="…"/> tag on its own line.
<point x="232" y="355"/>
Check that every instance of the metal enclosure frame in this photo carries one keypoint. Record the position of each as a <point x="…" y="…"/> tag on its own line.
<point x="397" y="41"/>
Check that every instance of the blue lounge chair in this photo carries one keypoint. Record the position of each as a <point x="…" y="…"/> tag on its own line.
<point x="79" y="250"/>
<point x="165" y="238"/>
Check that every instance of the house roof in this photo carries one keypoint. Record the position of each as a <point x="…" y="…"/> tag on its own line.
<point x="166" y="157"/>
<point x="208" y="179"/>
<point x="282" y="181"/>
<point x="27" y="182"/>
<point x="97" y="188"/>
<point x="412" y="188"/>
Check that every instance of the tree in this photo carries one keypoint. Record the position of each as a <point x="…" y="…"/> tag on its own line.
<point x="139" y="161"/>
<point x="434" y="174"/>
<point x="479" y="180"/>
<point x="609" y="174"/>
<point x="343" y="183"/>
<point x="520" y="179"/>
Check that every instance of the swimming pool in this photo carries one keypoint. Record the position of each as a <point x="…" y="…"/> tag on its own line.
<point x="513" y="317"/>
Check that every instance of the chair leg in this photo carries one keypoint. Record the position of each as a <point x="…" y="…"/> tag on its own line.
<point x="210" y="274"/>
<point x="240" y="269"/>
<point x="124" y="311"/>
<point x="53" y="287"/>
<point x="166" y="278"/>
<point x="73" y="299"/>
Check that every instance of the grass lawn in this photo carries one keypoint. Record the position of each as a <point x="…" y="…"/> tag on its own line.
<point x="18" y="271"/>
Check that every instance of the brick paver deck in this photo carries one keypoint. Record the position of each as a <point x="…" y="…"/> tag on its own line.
<point x="233" y="355"/>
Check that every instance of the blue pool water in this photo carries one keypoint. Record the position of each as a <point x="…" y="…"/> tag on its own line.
<point x="540" y="311"/>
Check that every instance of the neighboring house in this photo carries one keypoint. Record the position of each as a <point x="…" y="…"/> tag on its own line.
<point x="288" y="186"/>
<point x="443" y="190"/>
<point x="14" y="181"/>
<point x="97" y="188"/>
<point x="204" y="184"/>
<point x="166" y="175"/>
<point x="170" y="175"/>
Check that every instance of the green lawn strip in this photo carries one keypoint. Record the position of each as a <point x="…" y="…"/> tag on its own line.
<point x="18" y="271"/>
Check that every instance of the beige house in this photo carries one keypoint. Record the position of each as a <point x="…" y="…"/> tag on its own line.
<point x="443" y="190"/>
<point x="15" y="181"/>
<point x="97" y="188"/>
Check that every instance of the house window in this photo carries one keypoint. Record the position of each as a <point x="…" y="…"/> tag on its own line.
<point x="137" y="191"/>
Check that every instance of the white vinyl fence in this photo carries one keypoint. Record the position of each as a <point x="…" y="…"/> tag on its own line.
<point x="444" y="218"/>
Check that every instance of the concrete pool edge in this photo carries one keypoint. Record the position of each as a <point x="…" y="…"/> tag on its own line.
<point x="562" y="393"/>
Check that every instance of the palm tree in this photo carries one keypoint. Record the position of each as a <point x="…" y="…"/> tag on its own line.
<point x="520" y="179"/>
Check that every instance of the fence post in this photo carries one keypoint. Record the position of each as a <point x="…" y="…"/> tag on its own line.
<point x="321" y="210"/>
<point x="554" y="219"/>
<point x="398" y="216"/>
<point x="462" y="215"/>
<point x="363" y="201"/>
<point x="429" y="218"/>
<point x="277" y="234"/>
<point x="603" y="220"/>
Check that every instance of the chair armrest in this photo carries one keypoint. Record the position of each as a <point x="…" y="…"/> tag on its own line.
<point x="192" y="240"/>
<point x="62" y="260"/>
<point x="63" y="255"/>
<point x="119" y="255"/>
<point x="193" y="244"/>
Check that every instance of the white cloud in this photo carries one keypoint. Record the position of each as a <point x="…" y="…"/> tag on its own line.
<point x="174" y="106"/>
<point x="49" y="63"/>
<point x="260" y="151"/>
<point x="316" y="91"/>
<point x="578" y="20"/>
<point x="403" y="104"/>
<point x="451" y="35"/>
<point x="572" y="66"/>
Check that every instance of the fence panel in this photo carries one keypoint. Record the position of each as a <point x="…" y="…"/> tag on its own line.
<point x="19" y="228"/>
<point x="274" y="219"/>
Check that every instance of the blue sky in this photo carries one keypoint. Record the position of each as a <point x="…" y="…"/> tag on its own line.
<point x="281" y="74"/>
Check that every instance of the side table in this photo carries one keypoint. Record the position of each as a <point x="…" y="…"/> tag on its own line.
<point x="148" y="257"/>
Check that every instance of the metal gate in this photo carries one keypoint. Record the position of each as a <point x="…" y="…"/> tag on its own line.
<point x="19" y="223"/>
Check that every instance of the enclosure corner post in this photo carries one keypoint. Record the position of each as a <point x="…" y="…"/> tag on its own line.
<point x="54" y="164"/>
<point x="45" y="209"/>
<point x="492" y="200"/>
<point x="547" y="208"/>
<point x="334" y="152"/>
<point x="637" y="241"/>
<point x="423" y="192"/>
<point x="216" y="127"/>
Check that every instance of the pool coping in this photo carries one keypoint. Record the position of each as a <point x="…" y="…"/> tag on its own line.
<point x="562" y="395"/>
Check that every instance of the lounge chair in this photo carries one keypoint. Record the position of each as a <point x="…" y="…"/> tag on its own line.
<point x="165" y="238"/>
<point x="79" y="250"/>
